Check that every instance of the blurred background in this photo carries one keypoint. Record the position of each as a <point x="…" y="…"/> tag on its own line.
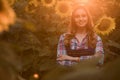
<point x="30" y="30"/>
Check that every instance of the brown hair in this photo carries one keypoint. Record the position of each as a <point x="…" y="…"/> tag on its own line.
<point x="90" y="31"/>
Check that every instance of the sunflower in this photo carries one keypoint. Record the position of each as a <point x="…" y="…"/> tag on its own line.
<point x="30" y="8"/>
<point x="105" y="25"/>
<point x="27" y="9"/>
<point x="48" y="3"/>
<point x="34" y="2"/>
<point x="63" y="8"/>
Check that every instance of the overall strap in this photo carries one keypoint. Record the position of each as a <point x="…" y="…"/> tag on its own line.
<point x="80" y="52"/>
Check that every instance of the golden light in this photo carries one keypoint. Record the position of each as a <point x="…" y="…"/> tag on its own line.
<point x="63" y="8"/>
<point x="105" y="25"/>
<point x="84" y="1"/>
<point x="87" y="3"/>
<point x="48" y="3"/>
<point x="4" y="22"/>
<point x="36" y="76"/>
<point x="11" y="16"/>
<point x="7" y="16"/>
<point x="81" y="1"/>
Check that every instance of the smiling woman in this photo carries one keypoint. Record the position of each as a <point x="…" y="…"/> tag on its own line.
<point x="80" y="18"/>
<point x="80" y="42"/>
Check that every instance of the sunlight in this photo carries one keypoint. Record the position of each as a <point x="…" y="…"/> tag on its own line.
<point x="84" y="1"/>
<point x="81" y="1"/>
<point x="36" y="76"/>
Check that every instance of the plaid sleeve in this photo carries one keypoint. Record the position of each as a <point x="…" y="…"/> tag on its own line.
<point x="99" y="49"/>
<point x="99" y="46"/>
<point x="61" y="48"/>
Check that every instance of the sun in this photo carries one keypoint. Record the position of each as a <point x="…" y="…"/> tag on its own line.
<point x="63" y="8"/>
<point x="105" y="25"/>
<point x="48" y="3"/>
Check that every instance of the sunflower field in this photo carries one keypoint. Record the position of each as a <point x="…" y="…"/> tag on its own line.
<point x="29" y="43"/>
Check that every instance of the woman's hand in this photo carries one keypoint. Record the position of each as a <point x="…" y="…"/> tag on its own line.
<point x="98" y="55"/>
<point x="66" y="57"/>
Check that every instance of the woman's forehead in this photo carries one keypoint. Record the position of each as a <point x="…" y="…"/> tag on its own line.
<point x="80" y="11"/>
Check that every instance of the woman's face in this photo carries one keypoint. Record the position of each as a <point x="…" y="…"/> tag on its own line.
<point x="80" y="18"/>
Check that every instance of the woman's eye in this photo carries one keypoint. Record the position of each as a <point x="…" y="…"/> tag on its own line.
<point x="77" y="16"/>
<point x="84" y="15"/>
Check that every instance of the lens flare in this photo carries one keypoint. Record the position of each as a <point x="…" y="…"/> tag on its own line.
<point x="36" y="76"/>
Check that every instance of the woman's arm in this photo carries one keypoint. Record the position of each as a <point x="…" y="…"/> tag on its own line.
<point x="62" y="53"/>
<point x="99" y="51"/>
<point x="66" y="57"/>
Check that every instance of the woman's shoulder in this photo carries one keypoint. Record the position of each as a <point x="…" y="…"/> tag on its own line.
<point x="64" y="34"/>
<point x="97" y="37"/>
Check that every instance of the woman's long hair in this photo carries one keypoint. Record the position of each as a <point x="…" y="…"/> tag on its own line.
<point x="89" y="27"/>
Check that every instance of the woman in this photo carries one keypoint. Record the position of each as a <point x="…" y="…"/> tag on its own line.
<point x="81" y="38"/>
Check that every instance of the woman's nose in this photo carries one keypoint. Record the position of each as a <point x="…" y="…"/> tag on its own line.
<point x="80" y="18"/>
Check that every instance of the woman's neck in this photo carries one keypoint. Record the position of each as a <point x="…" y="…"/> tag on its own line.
<point x="81" y="31"/>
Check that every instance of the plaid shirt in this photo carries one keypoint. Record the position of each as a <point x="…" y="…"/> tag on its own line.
<point x="76" y="45"/>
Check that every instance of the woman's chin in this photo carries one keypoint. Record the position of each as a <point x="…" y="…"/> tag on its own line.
<point x="81" y="26"/>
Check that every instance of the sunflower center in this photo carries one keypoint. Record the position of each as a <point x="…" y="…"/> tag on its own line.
<point x="63" y="8"/>
<point x="48" y="1"/>
<point x="105" y="24"/>
<point x="31" y="7"/>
